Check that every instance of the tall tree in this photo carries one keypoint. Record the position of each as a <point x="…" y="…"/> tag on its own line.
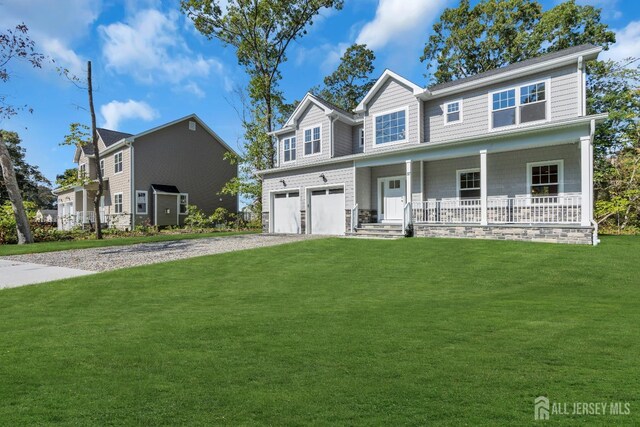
<point x="34" y="186"/>
<point x="470" y="40"/>
<point x="15" y="44"/>
<point x="261" y="32"/>
<point x="351" y="81"/>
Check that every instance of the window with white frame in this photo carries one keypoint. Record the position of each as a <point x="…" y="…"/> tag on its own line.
<point x="102" y="167"/>
<point x="117" y="203"/>
<point x="524" y="104"/>
<point x="469" y="184"/>
<point x="361" y="138"/>
<point x="453" y="112"/>
<point x="545" y="178"/>
<point x="312" y="141"/>
<point x="82" y="170"/>
<point x="117" y="162"/>
<point x="184" y="201"/>
<point x="289" y="149"/>
<point x="391" y="127"/>
<point x="141" y="202"/>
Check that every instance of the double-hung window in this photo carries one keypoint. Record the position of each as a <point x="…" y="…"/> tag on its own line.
<point x="453" y="112"/>
<point x="391" y="127"/>
<point x="141" y="202"/>
<point x="312" y="141"/>
<point x="361" y="137"/>
<point x="289" y="149"/>
<point x="523" y="104"/>
<point x="469" y="184"/>
<point x="82" y="172"/>
<point x="117" y="203"/>
<point x="184" y="201"/>
<point x="102" y="168"/>
<point x="117" y="162"/>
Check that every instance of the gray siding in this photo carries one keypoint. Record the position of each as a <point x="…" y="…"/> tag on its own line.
<point x="343" y="142"/>
<point x="341" y="173"/>
<point x="563" y="96"/>
<point x="392" y="96"/>
<point x="312" y="116"/>
<point x="355" y="139"/>
<point x="363" y="188"/>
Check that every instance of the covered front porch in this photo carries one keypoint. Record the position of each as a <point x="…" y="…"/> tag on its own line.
<point x="76" y="208"/>
<point x="500" y="191"/>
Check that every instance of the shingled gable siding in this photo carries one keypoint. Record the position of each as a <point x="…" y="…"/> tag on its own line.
<point x="313" y="116"/>
<point x="343" y="144"/>
<point x="340" y="173"/>
<point x="392" y="96"/>
<point x="193" y="161"/>
<point x="563" y="95"/>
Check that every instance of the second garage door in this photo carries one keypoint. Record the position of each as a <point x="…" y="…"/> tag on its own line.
<point x="328" y="211"/>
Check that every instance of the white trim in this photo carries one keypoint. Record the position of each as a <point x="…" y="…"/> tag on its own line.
<point x="517" y="88"/>
<point x="121" y="203"/>
<point x="445" y="112"/>
<point x="560" y="164"/>
<point x="421" y="180"/>
<point x="406" y="127"/>
<point x="146" y="203"/>
<point x="121" y="162"/>
<point x="380" y="201"/>
<point x="387" y="74"/>
<point x="133" y="184"/>
<point x="180" y="204"/>
<point x="102" y="168"/>
<point x="461" y="171"/>
<point x="307" y="201"/>
<point x="155" y="208"/>
<point x="294" y="136"/>
<point x="272" y="194"/>
<point x="312" y="127"/>
<point x="484" y="190"/>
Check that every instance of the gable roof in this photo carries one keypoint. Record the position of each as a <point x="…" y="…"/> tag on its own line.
<point x="386" y="75"/>
<point x="326" y="106"/>
<point x="108" y="137"/>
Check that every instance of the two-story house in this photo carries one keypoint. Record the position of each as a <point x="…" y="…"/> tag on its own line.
<point x="505" y="154"/>
<point x="150" y="177"/>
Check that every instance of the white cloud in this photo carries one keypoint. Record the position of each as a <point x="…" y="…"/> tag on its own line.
<point x="328" y="55"/>
<point x="627" y="43"/>
<point x="64" y="57"/>
<point x="396" y="20"/>
<point x="149" y="47"/>
<point x="194" y="89"/>
<point x="116" y="111"/>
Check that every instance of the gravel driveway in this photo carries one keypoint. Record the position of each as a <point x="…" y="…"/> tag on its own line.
<point x="115" y="257"/>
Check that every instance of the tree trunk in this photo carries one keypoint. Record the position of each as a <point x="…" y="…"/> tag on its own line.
<point x="96" y="154"/>
<point x="10" y="182"/>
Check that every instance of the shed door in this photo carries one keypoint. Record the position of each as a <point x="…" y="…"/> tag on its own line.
<point x="286" y="212"/>
<point x="328" y="211"/>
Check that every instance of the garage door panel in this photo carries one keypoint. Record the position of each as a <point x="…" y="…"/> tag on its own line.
<point x="328" y="211"/>
<point x="286" y="213"/>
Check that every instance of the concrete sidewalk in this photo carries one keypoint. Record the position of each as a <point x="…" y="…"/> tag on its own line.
<point x="16" y="273"/>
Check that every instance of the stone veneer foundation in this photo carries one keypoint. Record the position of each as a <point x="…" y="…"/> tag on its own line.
<point x="539" y="233"/>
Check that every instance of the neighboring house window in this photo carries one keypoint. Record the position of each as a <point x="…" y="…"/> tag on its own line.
<point x="453" y="112"/>
<point x="83" y="170"/>
<point x="117" y="203"/>
<point x="545" y="178"/>
<point x="312" y="142"/>
<point x="361" y="137"/>
<point x="469" y="184"/>
<point x="523" y="104"/>
<point x="117" y="161"/>
<point x="102" y="167"/>
<point x="391" y="127"/>
<point x="289" y="149"/>
<point x="184" y="201"/>
<point x="141" y="202"/>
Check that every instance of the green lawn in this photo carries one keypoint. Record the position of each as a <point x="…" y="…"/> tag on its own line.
<point x="334" y="331"/>
<point x="6" y="250"/>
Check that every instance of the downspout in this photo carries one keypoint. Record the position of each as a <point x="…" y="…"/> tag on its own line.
<point x="596" y="239"/>
<point x="332" y="119"/>
<point x="581" y="88"/>
<point x="133" y="185"/>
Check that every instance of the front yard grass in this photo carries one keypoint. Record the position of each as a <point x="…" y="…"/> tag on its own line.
<point x="333" y="331"/>
<point x="7" y="250"/>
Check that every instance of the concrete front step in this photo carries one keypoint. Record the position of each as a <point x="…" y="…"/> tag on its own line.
<point x="365" y="235"/>
<point x="379" y="226"/>
<point x="392" y="231"/>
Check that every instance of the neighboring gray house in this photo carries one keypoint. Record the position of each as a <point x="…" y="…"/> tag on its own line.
<point x="151" y="177"/>
<point x="505" y="154"/>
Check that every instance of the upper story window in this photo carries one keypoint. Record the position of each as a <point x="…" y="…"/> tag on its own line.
<point x="523" y="104"/>
<point x="117" y="162"/>
<point x="312" y="141"/>
<point x="82" y="170"/>
<point x="289" y="149"/>
<point x="453" y="112"/>
<point x="391" y="127"/>
<point x="469" y="184"/>
<point x="361" y="137"/>
<point x="102" y="167"/>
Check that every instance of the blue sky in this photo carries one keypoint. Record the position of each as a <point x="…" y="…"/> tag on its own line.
<point x="151" y="66"/>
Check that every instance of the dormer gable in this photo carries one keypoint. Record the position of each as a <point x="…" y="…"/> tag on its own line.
<point x="380" y="83"/>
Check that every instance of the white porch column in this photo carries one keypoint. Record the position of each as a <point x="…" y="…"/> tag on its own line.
<point x="408" y="189"/>
<point x="586" y="181"/>
<point x="483" y="187"/>
<point x="84" y="206"/>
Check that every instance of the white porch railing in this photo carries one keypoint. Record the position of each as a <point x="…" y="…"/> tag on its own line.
<point x="521" y="209"/>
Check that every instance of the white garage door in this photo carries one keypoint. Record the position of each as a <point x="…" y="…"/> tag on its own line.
<point x="286" y="212"/>
<point x="327" y="211"/>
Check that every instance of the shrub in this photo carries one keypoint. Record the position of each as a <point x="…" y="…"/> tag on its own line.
<point x="8" y="233"/>
<point x="196" y="219"/>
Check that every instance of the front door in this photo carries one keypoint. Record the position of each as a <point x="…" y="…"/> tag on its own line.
<point x="391" y="198"/>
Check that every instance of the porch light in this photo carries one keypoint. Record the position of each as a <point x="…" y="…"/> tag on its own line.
<point x="167" y="211"/>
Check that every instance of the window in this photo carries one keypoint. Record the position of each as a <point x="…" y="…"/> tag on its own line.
<point x="453" y="112"/>
<point x="390" y="127"/>
<point x="312" y="142"/>
<point x="184" y="201"/>
<point x="102" y="167"/>
<point x="117" y="162"/>
<point x="469" y="184"/>
<point x="361" y="140"/>
<point x="394" y="184"/>
<point x="141" y="202"/>
<point x="192" y="125"/>
<point x="289" y="149"/>
<point x="519" y="105"/>
<point x="82" y="170"/>
<point x="545" y="178"/>
<point x="117" y="203"/>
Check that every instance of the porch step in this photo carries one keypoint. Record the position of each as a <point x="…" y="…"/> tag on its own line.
<point x="385" y="231"/>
